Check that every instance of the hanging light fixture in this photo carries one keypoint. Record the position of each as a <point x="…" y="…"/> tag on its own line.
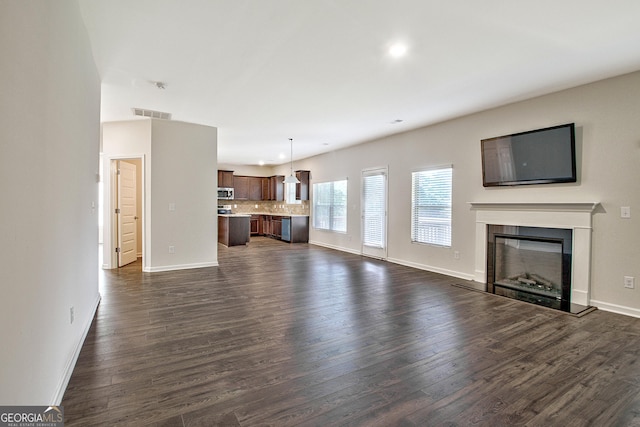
<point x="291" y="179"/>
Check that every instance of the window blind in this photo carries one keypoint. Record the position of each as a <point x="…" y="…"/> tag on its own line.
<point x="374" y="209"/>
<point x="330" y="206"/>
<point x="431" y="206"/>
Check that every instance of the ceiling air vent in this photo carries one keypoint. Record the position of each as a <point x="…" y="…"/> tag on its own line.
<point x="151" y="113"/>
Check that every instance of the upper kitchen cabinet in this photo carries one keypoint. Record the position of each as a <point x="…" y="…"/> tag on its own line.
<point x="276" y="188"/>
<point x="241" y="187"/>
<point x="248" y="188"/>
<point x="255" y="188"/>
<point x="225" y="179"/>
<point x="302" y="189"/>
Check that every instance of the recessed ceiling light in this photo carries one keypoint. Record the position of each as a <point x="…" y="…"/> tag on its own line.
<point x="261" y="162"/>
<point x="397" y="50"/>
<point x="281" y="156"/>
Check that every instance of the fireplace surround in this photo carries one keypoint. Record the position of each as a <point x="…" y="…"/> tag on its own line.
<point x="575" y="217"/>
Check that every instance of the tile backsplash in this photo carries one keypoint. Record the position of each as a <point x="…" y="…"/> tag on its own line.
<point x="267" y="207"/>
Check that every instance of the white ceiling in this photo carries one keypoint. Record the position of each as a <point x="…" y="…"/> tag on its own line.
<point x="318" y="71"/>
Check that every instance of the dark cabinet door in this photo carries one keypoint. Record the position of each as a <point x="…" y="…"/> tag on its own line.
<point x="255" y="225"/>
<point x="264" y="225"/>
<point x="276" y="188"/>
<point x="241" y="187"/>
<point x="299" y="229"/>
<point x="302" y="189"/>
<point x="255" y="188"/>
<point x="225" y="179"/>
<point x="276" y="224"/>
<point x="265" y="188"/>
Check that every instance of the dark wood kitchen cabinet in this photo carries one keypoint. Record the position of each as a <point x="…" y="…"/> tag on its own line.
<point x="299" y="229"/>
<point x="241" y="187"/>
<point x="265" y="188"/>
<point x="302" y="189"/>
<point x="276" y="227"/>
<point x="276" y="188"/>
<point x="256" y="225"/>
<point x="233" y="230"/>
<point x="225" y="179"/>
<point x="247" y="187"/>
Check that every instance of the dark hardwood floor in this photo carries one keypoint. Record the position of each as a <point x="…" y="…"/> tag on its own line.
<point x="284" y="335"/>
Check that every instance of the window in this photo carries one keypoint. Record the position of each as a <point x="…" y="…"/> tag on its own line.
<point x="431" y="206"/>
<point x="330" y="206"/>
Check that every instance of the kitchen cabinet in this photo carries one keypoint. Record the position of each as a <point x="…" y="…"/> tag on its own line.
<point x="295" y="229"/>
<point x="225" y="179"/>
<point x="233" y="230"/>
<point x="256" y="225"/>
<point x="241" y="187"/>
<point x="265" y="188"/>
<point x="302" y="189"/>
<point x="259" y="188"/>
<point x="276" y="227"/>
<point x="276" y="188"/>
<point x="255" y="188"/>
<point x="247" y="187"/>
<point x="265" y="221"/>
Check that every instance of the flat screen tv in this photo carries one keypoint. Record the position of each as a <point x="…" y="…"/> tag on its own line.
<point x="541" y="156"/>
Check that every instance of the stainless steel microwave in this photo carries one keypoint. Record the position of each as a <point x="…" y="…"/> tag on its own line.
<point x="225" y="193"/>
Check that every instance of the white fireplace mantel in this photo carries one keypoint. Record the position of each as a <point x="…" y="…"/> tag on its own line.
<point x="574" y="216"/>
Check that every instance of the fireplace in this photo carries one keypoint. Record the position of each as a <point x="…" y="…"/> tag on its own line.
<point x="519" y="222"/>
<point x="531" y="264"/>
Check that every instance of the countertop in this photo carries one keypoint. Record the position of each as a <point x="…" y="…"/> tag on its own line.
<point x="235" y="215"/>
<point x="273" y="214"/>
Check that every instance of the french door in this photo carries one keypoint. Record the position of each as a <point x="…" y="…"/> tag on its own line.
<point x="374" y="212"/>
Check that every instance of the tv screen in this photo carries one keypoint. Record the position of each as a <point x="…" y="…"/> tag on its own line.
<point x="540" y="156"/>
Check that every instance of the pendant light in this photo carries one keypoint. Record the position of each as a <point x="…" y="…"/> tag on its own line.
<point x="291" y="179"/>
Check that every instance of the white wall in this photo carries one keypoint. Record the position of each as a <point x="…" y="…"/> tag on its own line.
<point x="121" y="140"/>
<point x="608" y="139"/>
<point x="183" y="173"/>
<point x="49" y="133"/>
<point x="247" y="170"/>
<point x="180" y="168"/>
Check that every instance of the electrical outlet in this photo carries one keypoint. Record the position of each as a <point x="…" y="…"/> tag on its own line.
<point x="172" y="249"/>
<point x="456" y="254"/>
<point x="71" y="315"/>
<point x="629" y="282"/>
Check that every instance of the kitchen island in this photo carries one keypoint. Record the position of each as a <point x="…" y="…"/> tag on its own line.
<point x="233" y="229"/>
<point x="286" y="227"/>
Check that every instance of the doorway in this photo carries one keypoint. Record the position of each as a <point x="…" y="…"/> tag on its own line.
<point x="124" y="207"/>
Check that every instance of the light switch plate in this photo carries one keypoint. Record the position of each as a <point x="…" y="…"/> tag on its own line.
<point x="625" y="212"/>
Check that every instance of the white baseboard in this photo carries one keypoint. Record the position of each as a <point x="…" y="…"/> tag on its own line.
<point x="433" y="269"/>
<point x="337" y="248"/>
<point x="71" y="364"/>
<point x="614" y="308"/>
<point x="180" y="267"/>
<point x="457" y="274"/>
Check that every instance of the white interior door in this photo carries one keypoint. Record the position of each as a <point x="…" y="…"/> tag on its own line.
<point x="127" y="230"/>
<point x="374" y="213"/>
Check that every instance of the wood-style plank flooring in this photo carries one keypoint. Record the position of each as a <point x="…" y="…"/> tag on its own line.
<point x="287" y="335"/>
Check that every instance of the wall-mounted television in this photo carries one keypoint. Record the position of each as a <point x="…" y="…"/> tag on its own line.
<point x="541" y="156"/>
